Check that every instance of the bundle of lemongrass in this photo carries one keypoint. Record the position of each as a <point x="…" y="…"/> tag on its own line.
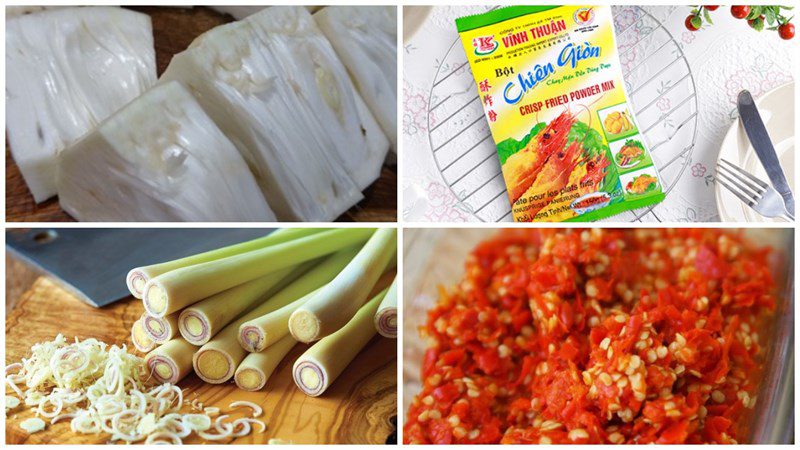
<point x="236" y="312"/>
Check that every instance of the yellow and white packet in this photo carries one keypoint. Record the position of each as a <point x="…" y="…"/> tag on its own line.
<point x="551" y="86"/>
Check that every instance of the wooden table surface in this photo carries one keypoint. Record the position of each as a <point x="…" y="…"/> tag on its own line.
<point x="173" y="30"/>
<point x="359" y="408"/>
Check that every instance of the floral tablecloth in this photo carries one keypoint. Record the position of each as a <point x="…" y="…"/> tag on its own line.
<point x="724" y="58"/>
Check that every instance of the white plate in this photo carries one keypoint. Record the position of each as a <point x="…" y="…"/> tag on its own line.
<point x="776" y="108"/>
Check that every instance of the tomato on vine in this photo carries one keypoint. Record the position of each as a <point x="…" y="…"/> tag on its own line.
<point x="740" y="11"/>
<point x="758" y="17"/>
<point x="693" y="23"/>
<point x="786" y="31"/>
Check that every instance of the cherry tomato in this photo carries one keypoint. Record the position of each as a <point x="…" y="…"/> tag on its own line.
<point x="690" y="23"/>
<point x="740" y="11"/>
<point x="786" y="31"/>
<point x="711" y="7"/>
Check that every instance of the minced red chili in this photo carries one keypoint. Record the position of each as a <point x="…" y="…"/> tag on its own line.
<point x="596" y="336"/>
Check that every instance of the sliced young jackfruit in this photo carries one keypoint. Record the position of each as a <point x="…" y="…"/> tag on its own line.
<point x="67" y="69"/>
<point x="276" y="88"/>
<point x="365" y="38"/>
<point x="160" y="158"/>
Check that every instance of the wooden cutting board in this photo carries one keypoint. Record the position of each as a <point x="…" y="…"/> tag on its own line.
<point x="173" y="30"/>
<point x="358" y="408"/>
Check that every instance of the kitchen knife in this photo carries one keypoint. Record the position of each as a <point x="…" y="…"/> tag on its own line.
<point x="762" y="144"/>
<point x="92" y="262"/>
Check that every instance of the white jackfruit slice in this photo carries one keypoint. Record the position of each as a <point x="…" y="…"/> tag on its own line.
<point x="276" y="88"/>
<point x="68" y="69"/>
<point x="365" y="38"/>
<point x="160" y="158"/>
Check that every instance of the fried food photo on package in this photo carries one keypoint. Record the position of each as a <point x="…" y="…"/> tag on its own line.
<point x="598" y="336"/>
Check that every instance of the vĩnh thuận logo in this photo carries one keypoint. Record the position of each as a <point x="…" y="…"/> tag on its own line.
<point x="485" y="45"/>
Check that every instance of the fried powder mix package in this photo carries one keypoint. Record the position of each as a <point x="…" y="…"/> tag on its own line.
<point x="550" y="82"/>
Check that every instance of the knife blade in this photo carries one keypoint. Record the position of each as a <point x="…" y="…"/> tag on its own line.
<point x="762" y="144"/>
<point x="92" y="263"/>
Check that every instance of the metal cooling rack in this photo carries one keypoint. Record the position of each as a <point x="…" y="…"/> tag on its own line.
<point x="661" y="91"/>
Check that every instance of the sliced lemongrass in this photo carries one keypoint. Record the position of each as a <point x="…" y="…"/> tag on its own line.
<point x="197" y="422"/>
<point x="256" y="368"/>
<point x="160" y="436"/>
<point x="319" y="366"/>
<point x="245" y="428"/>
<point x="32" y="425"/>
<point x="386" y="317"/>
<point x="174" y="290"/>
<point x="222" y="427"/>
<point x="160" y="329"/>
<point x="12" y="402"/>
<point x="14" y="388"/>
<point x="276" y="441"/>
<point x="137" y="278"/>
<point x="140" y="339"/>
<point x="172" y="361"/>
<point x="215" y="437"/>
<point x="338" y="301"/>
<point x="217" y="360"/>
<point x="211" y="411"/>
<point x="260" y="423"/>
<point x="200" y="322"/>
<point x="257" y="410"/>
<point x="61" y="417"/>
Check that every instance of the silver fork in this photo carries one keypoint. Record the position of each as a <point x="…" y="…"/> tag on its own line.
<point x="760" y="196"/>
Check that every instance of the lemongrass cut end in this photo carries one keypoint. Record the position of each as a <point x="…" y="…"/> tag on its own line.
<point x="140" y="338"/>
<point x="251" y="338"/>
<point x="194" y="327"/>
<point x="163" y="369"/>
<point x="386" y="322"/>
<point x="136" y="281"/>
<point x="213" y="366"/>
<point x="156" y="329"/>
<point x="310" y="378"/>
<point x="304" y="326"/>
<point x="250" y="379"/>
<point x="155" y="299"/>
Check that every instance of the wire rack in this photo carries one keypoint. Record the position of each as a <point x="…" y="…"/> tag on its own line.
<point x="660" y="89"/>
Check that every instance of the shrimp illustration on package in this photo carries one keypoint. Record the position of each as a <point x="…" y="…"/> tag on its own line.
<point x="550" y="82"/>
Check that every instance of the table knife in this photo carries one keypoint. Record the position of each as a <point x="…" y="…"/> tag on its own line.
<point x="762" y="144"/>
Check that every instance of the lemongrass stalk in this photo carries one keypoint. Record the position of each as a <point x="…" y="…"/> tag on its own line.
<point x="336" y="304"/>
<point x="256" y="368"/>
<point x="140" y="339"/>
<point x="199" y="322"/>
<point x="172" y="291"/>
<point x="137" y="278"/>
<point x="262" y="332"/>
<point x="386" y="316"/>
<point x="161" y="329"/>
<point x="172" y="361"/>
<point x="217" y="360"/>
<point x="320" y="365"/>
